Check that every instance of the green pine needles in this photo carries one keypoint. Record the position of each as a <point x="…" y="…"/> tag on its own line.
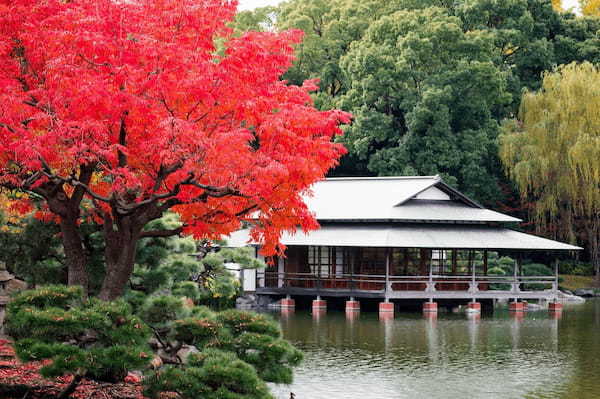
<point x="95" y="339"/>
<point x="195" y="351"/>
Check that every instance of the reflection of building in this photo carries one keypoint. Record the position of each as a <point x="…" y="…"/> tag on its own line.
<point x="402" y="238"/>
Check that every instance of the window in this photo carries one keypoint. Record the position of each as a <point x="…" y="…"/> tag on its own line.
<point x="319" y="260"/>
<point x="373" y="261"/>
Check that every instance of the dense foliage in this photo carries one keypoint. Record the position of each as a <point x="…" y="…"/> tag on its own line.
<point x="90" y="338"/>
<point x="119" y="111"/>
<point x="182" y="266"/>
<point x="429" y="81"/>
<point x="216" y="354"/>
<point x="553" y="153"/>
<point x="192" y="349"/>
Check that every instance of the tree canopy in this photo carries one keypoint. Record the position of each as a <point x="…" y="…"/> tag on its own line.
<point x="553" y="152"/>
<point x="429" y="81"/>
<point x="120" y="111"/>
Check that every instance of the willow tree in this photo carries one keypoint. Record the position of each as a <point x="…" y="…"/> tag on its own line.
<point x="590" y="7"/>
<point x="552" y="152"/>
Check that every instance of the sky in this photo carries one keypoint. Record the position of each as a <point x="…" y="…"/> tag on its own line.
<point x="250" y="4"/>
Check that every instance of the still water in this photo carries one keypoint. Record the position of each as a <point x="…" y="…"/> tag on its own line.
<point x="453" y="356"/>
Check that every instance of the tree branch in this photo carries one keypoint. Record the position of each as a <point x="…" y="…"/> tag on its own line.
<point x="122" y="141"/>
<point x="161" y="233"/>
<point x="7" y="127"/>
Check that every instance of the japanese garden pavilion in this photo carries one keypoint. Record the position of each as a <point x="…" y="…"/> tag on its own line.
<point x="411" y="238"/>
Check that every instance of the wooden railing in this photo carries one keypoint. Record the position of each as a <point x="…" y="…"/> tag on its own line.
<point x="391" y="284"/>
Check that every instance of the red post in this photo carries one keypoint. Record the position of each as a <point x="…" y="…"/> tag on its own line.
<point x="319" y="304"/>
<point x="287" y="303"/>
<point x="386" y="307"/>
<point x="430" y="307"/>
<point x="474" y="306"/>
<point x="352" y="306"/>
<point x="516" y="306"/>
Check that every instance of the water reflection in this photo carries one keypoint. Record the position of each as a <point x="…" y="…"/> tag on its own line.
<point x="532" y="356"/>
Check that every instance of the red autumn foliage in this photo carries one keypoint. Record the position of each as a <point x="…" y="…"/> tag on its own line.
<point x="137" y="107"/>
<point x="26" y="375"/>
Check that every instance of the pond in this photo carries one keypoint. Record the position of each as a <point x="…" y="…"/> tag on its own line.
<point x="496" y="356"/>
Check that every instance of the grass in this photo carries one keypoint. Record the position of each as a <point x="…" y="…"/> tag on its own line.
<point x="572" y="282"/>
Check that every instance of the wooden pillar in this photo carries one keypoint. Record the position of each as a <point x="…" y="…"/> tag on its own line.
<point x="387" y="273"/>
<point x="454" y="261"/>
<point x="516" y="280"/>
<point x="555" y="306"/>
<point x="470" y="261"/>
<point x="485" y="262"/>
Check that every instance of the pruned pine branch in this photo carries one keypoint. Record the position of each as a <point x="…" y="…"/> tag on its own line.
<point x="161" y="233"/>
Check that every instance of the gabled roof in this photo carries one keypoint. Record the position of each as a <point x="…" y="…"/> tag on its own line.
<point x="395" y="199"/>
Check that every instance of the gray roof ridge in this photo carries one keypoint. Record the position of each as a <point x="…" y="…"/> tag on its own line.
<point x="435" y="177"/>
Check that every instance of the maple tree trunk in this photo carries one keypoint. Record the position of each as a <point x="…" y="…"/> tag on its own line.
<point x="74" y="253"/>
<point x="120" y="259"/>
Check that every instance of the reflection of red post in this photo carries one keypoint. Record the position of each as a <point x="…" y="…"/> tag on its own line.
<point x="287" y="312"/>
<point x="318" y="313"/>
<point x="518" y="316"/>
<point x="556" y="315"/>
<point x="474" y="317"/>
<point x="555" y="307"/>
<point x="430" y="316"/>
<point x="516" y="307"/>
<point x="352" y="314"/>
<point x="386" y="316"/>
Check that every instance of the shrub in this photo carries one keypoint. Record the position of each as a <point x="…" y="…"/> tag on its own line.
<point x="498" y="271"/>
<point x="250" y="344"/>
<point x="95" y="339"/>
<point x="536" y="269"/>
<point x="211" y="374"/>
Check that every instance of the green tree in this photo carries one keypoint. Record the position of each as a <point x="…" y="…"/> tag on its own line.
<point x="216" y="355"/>
<point x="505" y="46"/>
<point x="552" y="152"/>
<point x="194" y="350"/>
<point x="182" y="266"/>
<point x="93" y="339"/>
<point x="32" y="251"/>
<point x="423" y="93"/>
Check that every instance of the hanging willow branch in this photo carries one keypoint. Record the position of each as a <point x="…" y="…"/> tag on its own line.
<point x="553" y="153"/>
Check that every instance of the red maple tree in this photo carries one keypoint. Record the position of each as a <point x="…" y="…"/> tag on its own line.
<point x="122" y="110"/>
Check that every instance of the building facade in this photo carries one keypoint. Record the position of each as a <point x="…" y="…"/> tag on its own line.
<point x="403" y="238"/>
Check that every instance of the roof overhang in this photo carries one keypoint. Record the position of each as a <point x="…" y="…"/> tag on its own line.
<point x="417" y="236"/>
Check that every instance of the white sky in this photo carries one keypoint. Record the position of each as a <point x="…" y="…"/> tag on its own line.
<point x="250" y="4"/>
